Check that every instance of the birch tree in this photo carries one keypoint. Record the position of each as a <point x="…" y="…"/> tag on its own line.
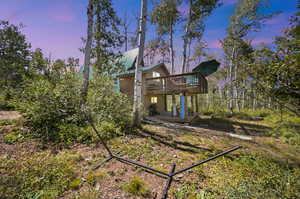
<point x="194" y="27"/>
<point x="248" y="17"/>
<point x="166" y="15"/>
<point x="87" y="50"/>
<point x="137" y="106"/>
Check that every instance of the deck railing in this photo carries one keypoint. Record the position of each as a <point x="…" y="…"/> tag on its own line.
<point x="187" y="82"/>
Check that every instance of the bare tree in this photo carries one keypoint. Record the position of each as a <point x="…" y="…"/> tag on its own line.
<point x="137" y="106"/>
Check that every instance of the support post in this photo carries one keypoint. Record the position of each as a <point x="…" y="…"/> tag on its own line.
<point x="182" y="107"/>
<point x="197" y="103"/>
<point x="174" y="112"/>
<point x="192" y="104"/>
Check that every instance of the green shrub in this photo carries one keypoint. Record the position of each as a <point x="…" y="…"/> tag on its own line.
<point x="12" y="138"/>
<point x="50" y="110"/>
<point x="96" y="177"/>
<point x="187" y="191"/>
<point x="53" y="111"/>
<point x="105" y="105"/>
<point x="288" y="132"/>
<point x="137" y="187"/>
<point x="75" y="184"/>
<point x="41" y="175"/>
<point x="252" y="176"/>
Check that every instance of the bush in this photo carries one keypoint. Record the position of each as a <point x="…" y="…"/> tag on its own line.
<point x="252" y="176"/>
<point x="137" y="187"/>
<point x="35" y="176"/>
<point x="53" y="110"/>
<point x="12" y="138"/>
<point x="50" y="109"/>
<point x="105" y="105"/>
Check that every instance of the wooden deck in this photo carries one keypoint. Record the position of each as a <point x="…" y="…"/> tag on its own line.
<point x="189" y="119"/>
<point x="192" y="83"/>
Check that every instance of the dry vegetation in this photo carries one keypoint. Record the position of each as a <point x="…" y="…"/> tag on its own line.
<point x="266" y="167"/>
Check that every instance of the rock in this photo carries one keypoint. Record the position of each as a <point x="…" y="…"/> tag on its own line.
<point x="97" y="188"/>
<point x="180" y="175"/>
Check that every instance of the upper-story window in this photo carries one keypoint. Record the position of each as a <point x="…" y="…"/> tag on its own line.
<point x="155" y="74"/>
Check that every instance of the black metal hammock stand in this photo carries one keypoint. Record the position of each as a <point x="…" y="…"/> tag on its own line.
<point x="169" y="175"/>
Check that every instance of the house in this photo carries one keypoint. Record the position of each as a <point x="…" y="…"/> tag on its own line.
<point x="169" y="96"/>
<point x="163" y="94"/>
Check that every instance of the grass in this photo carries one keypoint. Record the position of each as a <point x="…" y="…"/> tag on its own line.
<point x="137" y="187"/>
<point x="41" y="175"/>
<point x="267" y="167"/>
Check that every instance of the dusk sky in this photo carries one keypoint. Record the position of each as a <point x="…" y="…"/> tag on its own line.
<point x="56" y="26"/>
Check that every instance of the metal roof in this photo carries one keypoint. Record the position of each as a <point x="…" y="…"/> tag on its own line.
<point x="207" y="68"/>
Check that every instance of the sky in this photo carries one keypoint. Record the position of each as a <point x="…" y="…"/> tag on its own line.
<point x="57" y="26"/>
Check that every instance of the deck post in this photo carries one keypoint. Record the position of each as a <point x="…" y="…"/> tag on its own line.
<point x="192" y="104"/>
<point x="174" y="106"/>
<point x="182" y="107"/>
<point x="197" y="103"/>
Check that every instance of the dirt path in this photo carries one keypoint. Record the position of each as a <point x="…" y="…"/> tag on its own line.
<point x="9" y="115"/>
<point x="169" y="125"/>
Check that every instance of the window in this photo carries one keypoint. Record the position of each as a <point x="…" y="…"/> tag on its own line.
<point x="155" y="74"/>
<point x="153" y="100"/>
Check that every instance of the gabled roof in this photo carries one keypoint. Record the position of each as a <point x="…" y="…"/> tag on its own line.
<point x="128" y="58"/>
<point x="145" y="69"/>
<point x="207" y="68"/>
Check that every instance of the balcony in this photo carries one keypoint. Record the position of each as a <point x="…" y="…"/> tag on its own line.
<point x="189" y="83"/>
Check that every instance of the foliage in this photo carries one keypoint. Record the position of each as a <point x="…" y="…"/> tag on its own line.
<point x="105" y="105"/>
<point x="35" y="176"/>
<point x="187" y="191"/>
<point x="252" y="176"/>
<point x="14" y="60"/>
<point x="75" y="184"/>
<point x="94" y="177"/>
<point x="286" y="127"/>
<point x="14" y="55"/>
<point x="12" y="138"/>
<point x="107" y="37"/>
<point x="137" y="187"/>
<point x="282" y="65"/>
<point x="52" y="112"/>
<point x="166" y="15"/>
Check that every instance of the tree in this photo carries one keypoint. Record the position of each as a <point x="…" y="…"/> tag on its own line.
<point x="87" y="51"/>
<point x="166" y="15"/>
<point x="277" y="69"/>
<point x="125" y="24"/>
<point x="248" y="17"/>
<point x="194" y="27"/>
<point x="137" y="106"/>
<point x="14" y="57"/>
<point x="107" y="38"/>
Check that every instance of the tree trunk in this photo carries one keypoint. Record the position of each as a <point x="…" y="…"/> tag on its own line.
<point x="137" y="106"/>
<point x="126" y="38"/>
<point x="231" y="82"/>
<point x="172" y="50"/>
<point x="186" y="39"/>
<point x="188" y="57"/>
<point x="87" y="52"/>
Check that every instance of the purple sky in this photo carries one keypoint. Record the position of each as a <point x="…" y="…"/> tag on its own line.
<point x="57" y="26"/>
